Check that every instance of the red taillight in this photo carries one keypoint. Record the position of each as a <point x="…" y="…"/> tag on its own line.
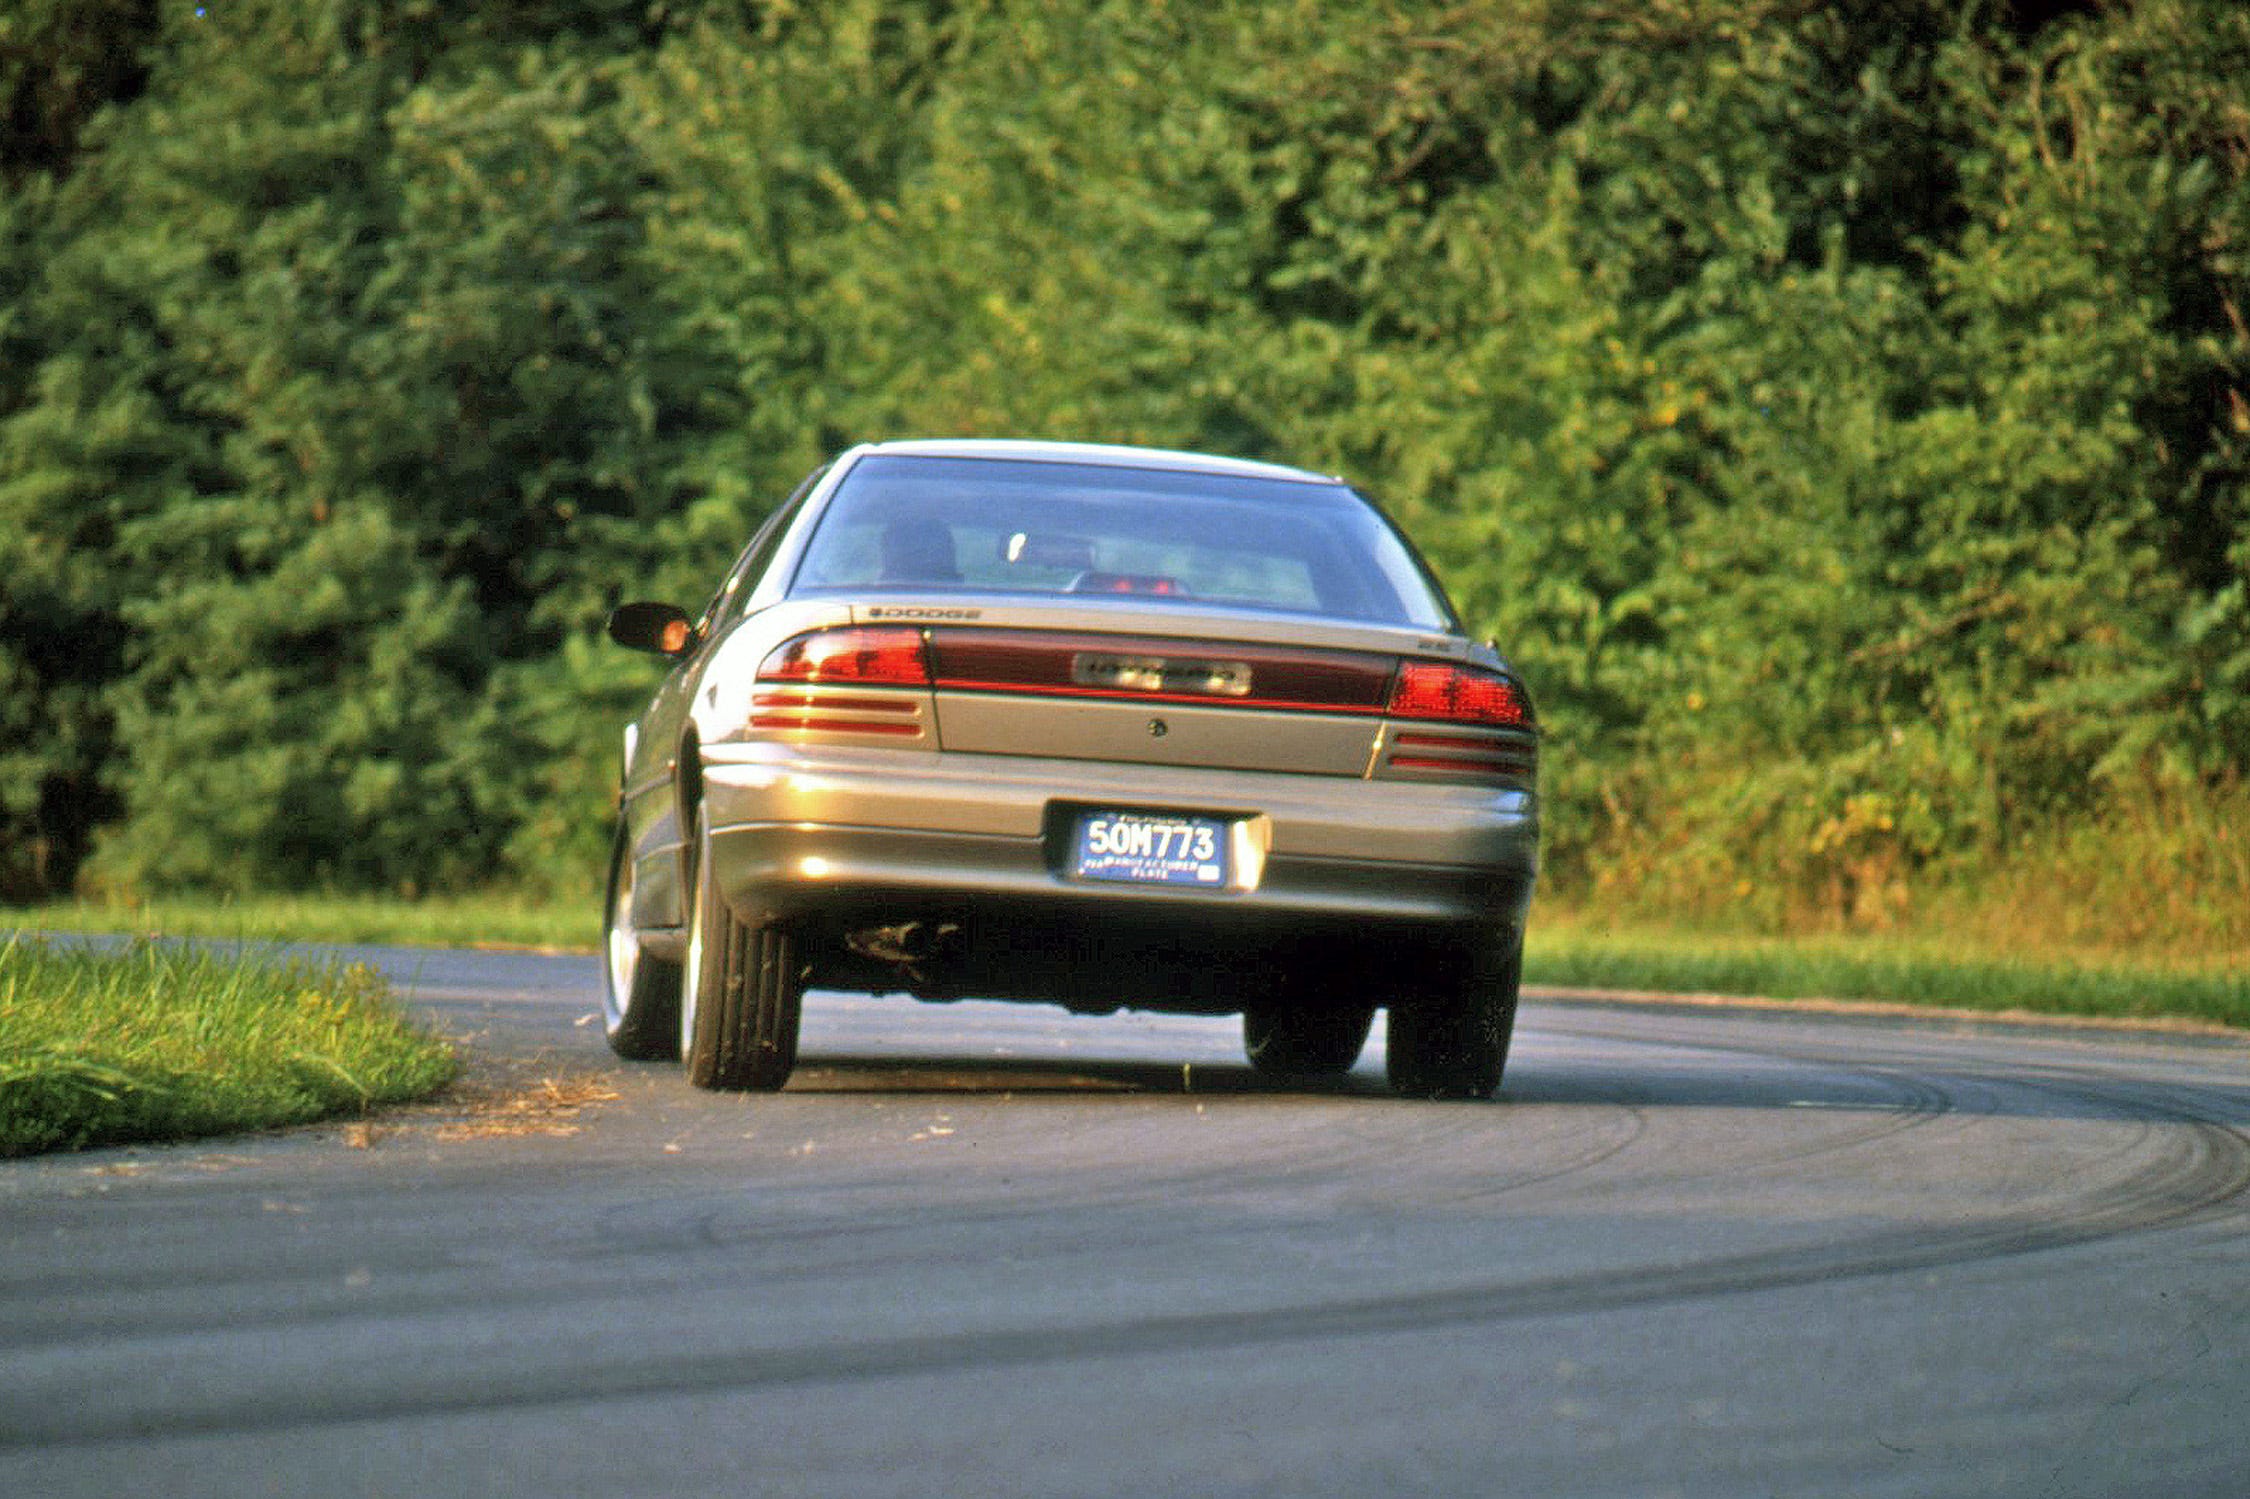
<point x="1458" y="694"/>
<point x="883" y="655"/>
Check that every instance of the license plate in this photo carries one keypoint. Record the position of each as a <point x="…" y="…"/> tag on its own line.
<point x="1149" y="848"/>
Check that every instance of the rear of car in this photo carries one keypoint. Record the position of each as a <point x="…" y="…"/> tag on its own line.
<point x="1093" y="726"/>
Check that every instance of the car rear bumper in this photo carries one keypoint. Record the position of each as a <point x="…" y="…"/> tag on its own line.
<point x="792" y="833"/>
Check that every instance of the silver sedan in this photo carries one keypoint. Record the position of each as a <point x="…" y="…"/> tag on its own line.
<point x="1096" y="726"/>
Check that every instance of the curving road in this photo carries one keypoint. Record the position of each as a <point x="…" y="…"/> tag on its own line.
<point x="988" y="1250"/>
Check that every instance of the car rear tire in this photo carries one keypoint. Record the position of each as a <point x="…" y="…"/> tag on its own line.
<point x="1452" y="1040"/>
<point x="1305" y="1043"/>
<point x="640" y="993"/>
<point x="744" y="989"/>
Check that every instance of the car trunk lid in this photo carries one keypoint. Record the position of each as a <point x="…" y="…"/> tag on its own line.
<point x="1136" y="685"/>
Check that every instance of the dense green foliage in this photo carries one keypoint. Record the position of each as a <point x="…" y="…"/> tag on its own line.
<point x="1842" y="413"/>
<point x="109" y="1045"/>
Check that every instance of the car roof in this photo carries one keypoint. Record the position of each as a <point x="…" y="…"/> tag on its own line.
<point x="1109" y="454"/>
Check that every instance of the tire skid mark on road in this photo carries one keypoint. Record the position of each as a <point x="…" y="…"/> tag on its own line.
<point x="2205" y="1157"/>
<point x="1626" y="1126"/>
<point x="2192" y="1137"/>
<point x="847" y="1219"/>
<point x="1900" y="1101"/>
<point x="815" y="1226"/>
<point x="2200" y="1172"/>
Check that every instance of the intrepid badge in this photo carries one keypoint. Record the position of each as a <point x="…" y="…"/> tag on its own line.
<point x="882" y="611"/>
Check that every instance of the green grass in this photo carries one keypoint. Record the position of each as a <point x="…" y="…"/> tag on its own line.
<point x="162" y="1042"/>
<point x="499" y="919"/>
<point x="1570" y="945"/>
<point x="1572" y="953"/>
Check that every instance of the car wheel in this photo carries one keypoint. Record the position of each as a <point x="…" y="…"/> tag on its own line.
<point x="640" y="993"/>
<point x="1452" y="1040"/>
<point x="1297" y="1041"/>
<point x="744" y="984"/>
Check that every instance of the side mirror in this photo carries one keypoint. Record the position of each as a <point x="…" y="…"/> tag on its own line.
<point x="662" y="628"/>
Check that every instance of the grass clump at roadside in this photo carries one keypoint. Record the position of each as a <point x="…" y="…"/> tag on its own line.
<point x="149" y="1041"/>
<point x="1885" y="968"/>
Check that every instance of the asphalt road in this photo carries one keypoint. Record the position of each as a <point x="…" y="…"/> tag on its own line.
<point x="983" y="1250"/>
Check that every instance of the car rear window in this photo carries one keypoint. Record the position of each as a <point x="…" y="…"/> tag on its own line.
<point x="902" y="522"/>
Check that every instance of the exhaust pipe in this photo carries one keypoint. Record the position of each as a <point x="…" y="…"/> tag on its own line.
<point x="906" y="944"/>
